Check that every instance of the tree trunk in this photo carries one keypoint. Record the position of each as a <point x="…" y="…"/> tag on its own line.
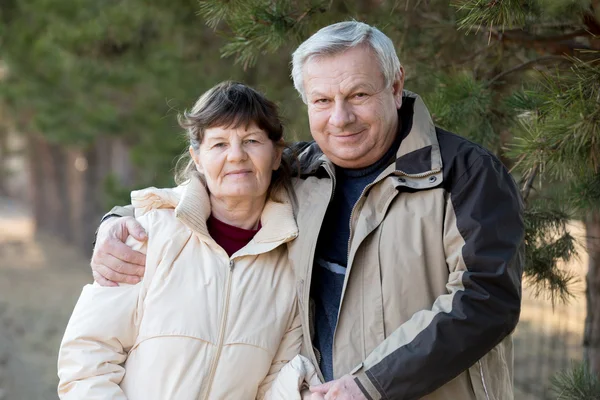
<point x="3" y="161"/>
<point x="48" y="186"/>
<point x="592" y="322"/>
<point x="90" y="212"/>
<point x="61" y="186"/>
<point x="76" y="173"/>
<point x="36" y="179"/>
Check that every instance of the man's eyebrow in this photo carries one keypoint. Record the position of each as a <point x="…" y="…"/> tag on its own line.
<point x="361" y="85"/>
<point x="352" y="89"/>
<point x="316" y="93"/>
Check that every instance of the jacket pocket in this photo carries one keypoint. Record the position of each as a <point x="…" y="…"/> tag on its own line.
<point x="478" y="380"/>
<point x="491" y="377"/>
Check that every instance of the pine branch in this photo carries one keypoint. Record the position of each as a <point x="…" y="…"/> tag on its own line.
<point x="590" y="20"/>
<point x="260" y="27"/>
<point x="529" y="183"/>
<point x="468" y="58"/>
<point x="519" y="161"/>
<point x="547" y="244"/>
<point x="519" y="35"/>
<point x="578" y="383"/>
<point x="556" y="44"/>
<point x="494" y="17"/>
<point x="483" y="13"/>
<point x="524" y="65"/>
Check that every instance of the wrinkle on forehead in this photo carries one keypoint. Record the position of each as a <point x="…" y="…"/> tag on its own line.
<point x="342" y="73"/>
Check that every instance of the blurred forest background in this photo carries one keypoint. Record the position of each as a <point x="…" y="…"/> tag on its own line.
<point x="90" y="91"/>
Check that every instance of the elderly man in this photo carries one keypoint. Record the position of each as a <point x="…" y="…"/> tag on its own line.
<point x="408" y="263"/>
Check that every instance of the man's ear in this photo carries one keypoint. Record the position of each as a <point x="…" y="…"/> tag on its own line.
<point x="397" y="87"/>
<point x="196" y="160"/>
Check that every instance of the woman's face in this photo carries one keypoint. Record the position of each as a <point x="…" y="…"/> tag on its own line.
<point x="237" y="163"/>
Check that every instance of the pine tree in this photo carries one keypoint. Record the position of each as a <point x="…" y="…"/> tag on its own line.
<point x="82" y="74"/>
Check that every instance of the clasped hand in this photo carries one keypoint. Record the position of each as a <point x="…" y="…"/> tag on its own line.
<point x="340" y="389"/>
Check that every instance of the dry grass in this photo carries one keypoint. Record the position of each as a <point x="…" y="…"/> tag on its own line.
<point x="549" y="336"/>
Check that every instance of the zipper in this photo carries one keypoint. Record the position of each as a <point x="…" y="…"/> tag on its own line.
<point x="420" y="175"/>
<point x="213" y="368"/>
<point x="315" y="352"/>
<point x="360" y="198"/>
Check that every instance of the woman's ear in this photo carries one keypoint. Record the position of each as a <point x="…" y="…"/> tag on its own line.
<point x="279" y="146"/>
<point x="196" y="159"/>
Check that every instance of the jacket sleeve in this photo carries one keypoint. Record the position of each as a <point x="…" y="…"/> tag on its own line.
<point x="483" y="232"/>
<point x="288" y="349"/>
<point x="120" y="211"/>
<point x="100" y="332"/>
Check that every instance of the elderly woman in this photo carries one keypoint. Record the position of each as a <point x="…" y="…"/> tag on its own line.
<point x="215" y="316"/>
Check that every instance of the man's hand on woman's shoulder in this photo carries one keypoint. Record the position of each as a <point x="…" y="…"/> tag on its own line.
<point x="114" y="262"/>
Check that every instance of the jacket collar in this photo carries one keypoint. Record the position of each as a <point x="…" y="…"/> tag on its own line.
<point x="192" y="207"/>
<point x="419" y="151"/>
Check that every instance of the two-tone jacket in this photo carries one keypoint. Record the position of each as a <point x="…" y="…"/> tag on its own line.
<point x="432" y="290"/>
<point x="201" y="324"/>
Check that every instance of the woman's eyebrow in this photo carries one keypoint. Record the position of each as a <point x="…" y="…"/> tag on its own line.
<point x="255" y="132"/>
<point x="215" y="138"/>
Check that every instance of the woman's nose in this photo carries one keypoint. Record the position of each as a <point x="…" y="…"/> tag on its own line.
<point x="237" y="152"/>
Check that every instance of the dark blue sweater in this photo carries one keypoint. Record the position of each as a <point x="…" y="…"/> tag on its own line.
<point x="331" y="257"/>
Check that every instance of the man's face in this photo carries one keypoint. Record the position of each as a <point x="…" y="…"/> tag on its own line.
<point x="353" y="116"/>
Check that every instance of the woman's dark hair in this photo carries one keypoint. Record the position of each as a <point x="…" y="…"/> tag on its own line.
<point x="231" y="105"/>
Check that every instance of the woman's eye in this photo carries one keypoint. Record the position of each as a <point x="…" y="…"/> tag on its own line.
<point x="219" y="145"/>
<point x="251" y="141"/>
<point x="360" y="95"/>
<point x="321" y="101"/>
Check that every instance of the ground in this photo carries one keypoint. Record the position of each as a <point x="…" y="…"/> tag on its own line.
<point x="40" y="281"/>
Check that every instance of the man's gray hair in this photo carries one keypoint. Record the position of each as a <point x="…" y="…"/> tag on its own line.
<point x="337" y="38"/>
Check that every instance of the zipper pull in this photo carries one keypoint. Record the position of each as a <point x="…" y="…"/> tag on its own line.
<point x="231" y="265"/>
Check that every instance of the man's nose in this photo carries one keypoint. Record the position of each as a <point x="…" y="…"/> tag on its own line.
<point x="341" y="115"/>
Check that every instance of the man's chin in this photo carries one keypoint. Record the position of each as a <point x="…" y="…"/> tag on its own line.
<point x="350" y="161"/>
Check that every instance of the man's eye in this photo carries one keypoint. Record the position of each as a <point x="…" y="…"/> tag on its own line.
<point x="321" y="101"/>
<point x="360" y="95"/>
<point x="220" y="144"/>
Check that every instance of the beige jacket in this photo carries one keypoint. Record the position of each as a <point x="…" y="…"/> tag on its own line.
<point x="200" y="325"/>
<point x="432" y="288"/>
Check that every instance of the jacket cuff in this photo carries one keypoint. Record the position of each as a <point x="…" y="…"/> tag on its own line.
<point x="367" y="387"/>
<point x="121" y="211"/>
<point x="117" y="211"/>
